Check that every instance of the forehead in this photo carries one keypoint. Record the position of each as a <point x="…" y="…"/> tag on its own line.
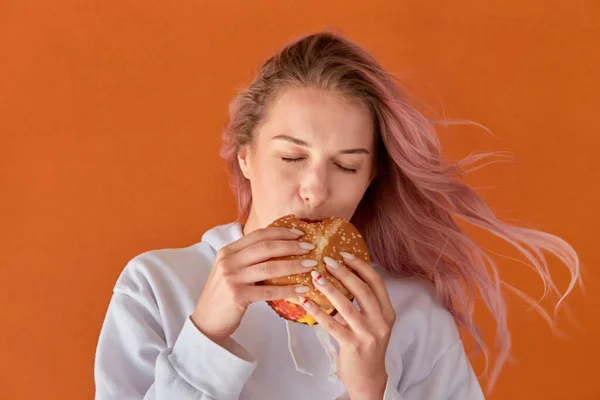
<point x="320" y="117"/>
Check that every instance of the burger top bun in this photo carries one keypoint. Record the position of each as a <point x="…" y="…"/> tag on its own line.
<point x="330" y="237"/>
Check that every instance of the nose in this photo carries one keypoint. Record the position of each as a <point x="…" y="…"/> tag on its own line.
<point x="314" y="187"/>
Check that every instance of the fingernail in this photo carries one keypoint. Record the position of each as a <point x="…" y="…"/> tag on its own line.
<point x="306" y="303"/>
<point x="309" y="263"/>
<point x="318" y="278"/>
<point x="347" y="255"/>
<point x="302" y="289"/>
<point x="331" y="263"/>
<point x="307" y="246"/>
<point x="296" y="231"/>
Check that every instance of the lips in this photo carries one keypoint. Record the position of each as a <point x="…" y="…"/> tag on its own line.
<point x="310" y="220"/>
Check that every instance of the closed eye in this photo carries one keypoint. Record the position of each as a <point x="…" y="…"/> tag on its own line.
<point x="299" y="159"/>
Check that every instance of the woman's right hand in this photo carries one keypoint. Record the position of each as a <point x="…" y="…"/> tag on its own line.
<point x="231" y="285"/>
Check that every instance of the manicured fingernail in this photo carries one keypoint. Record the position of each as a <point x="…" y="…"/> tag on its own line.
<point x="347" y="255"/>
<point x="307" y="246"/>
<point x="318" y="278"/>
<point x="309" y="263"/>
<point x="302" y="289"/>
<point x="306" y="303"/>
<point x="331" y="262"/>
<point x="296" y="231"/>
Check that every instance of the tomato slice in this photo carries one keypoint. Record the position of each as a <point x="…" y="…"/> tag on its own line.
<point x="288" y="310"/>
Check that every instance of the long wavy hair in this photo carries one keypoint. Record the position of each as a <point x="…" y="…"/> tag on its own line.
<point x="409" y="213"/>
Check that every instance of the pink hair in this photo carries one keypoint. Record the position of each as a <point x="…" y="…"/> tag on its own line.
<point x="408" y="213"/>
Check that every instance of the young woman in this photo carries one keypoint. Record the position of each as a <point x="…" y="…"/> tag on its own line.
<point x="322" y="131"/>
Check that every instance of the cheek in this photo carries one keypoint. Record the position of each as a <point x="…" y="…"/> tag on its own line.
<point x="348" y="192"/>
<point x="351" y="186"/>
<point x="275" y="179"/>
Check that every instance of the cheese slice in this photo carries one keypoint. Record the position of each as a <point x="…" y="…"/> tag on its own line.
<point x="307" y="319"/>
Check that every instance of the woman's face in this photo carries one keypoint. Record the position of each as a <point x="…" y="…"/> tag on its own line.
<point x="312" y="156"/>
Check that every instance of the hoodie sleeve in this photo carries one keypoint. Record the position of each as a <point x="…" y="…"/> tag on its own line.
<point x="452" y="378"/>
<point x="134" y="362"/>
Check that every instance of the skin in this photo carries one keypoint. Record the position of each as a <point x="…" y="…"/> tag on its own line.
<point x="312" y="156"/>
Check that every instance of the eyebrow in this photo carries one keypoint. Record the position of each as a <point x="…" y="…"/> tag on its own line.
<point x="299" y="142"/>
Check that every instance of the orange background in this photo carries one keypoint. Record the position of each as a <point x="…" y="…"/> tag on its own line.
<point x="110" y="122"/>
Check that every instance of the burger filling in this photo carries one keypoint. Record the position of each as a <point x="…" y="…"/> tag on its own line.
<point x="293" y="311"/>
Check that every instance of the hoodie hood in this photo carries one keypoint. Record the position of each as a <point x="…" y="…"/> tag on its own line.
<point x="223" y="235"/>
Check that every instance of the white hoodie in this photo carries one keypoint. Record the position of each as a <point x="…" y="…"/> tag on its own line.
<point x="150" y="349"/>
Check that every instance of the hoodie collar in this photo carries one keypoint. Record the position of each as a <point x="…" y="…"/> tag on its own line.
<point x="222" y="235"/>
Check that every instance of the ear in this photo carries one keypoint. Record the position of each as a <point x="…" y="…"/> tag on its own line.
<point x="243" y="157"/>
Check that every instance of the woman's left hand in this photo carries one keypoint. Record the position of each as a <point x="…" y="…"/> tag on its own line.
<point x="363" y="335"/>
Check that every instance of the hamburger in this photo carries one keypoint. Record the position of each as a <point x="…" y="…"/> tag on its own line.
<point x="330" y="236"/>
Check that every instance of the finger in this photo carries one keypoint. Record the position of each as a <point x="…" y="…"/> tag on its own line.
<point x="331" y="326"/>
<point x="253" y="294"/>
<point x="343" y="306"/>
<point x="371" y="278"/>
<point x="364" y="295"/>
<point x="259" y="235"/>
<point x="266" y="250"/>
<point x="338" y="317"/>
<point x="275" y="269"/>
